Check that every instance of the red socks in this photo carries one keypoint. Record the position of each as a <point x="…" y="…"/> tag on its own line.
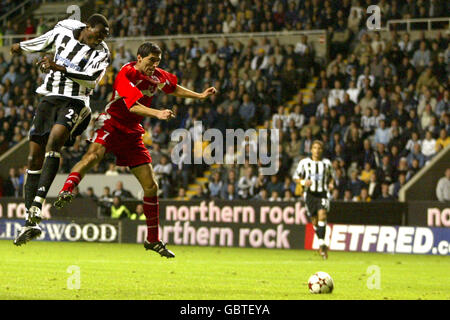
<point x="151" y="211"/>
<point x="72" y="181"/>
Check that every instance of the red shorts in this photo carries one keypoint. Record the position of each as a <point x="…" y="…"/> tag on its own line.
<point x="128" y="148"/>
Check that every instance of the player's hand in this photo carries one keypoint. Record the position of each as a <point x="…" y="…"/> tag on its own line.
<point x="166" y="114"/>
<point x="46" y="64"/>
<point x="15" y="49"/>
<point x="208" y="92"/>
<point x="308" y="183"/>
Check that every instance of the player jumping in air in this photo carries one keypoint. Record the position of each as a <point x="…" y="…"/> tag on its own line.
<point x="119" y="131"/>
<point x="80" y="61"/>
<point x="316" y="175"/>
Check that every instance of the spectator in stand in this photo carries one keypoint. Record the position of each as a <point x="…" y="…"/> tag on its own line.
<point x="182" y="195"/>
<point x="90" y="194"/>
<point x="139" y="213"/>
<point x="247" y="111"/>
<point x="398" y="185"/>
<point x="443" y="106"/>
<point x="421" y="57"/>
<point x="443" y="187"/>
<point x="42" y="26"/>
<point x="246" y="184"/>
<point x="29" y="29"/>
<point x="230" y="192"/>
<point x="443" y="140"/>
<point x="385" y="196"/>
<point x="119" y="210"/>
<point x="363" y="196"/>
<point x="366" y="173"/>
<point x="382" y="134"/>
<point x="112" y="170"/>
<point x="121" y="192"/>
<point x="12" y="186"/>
<point x="163" y="172"/>
<point x="428" y="146"/>
<point x="354" y="184"/>
<point x="215" y="186"/>
<point x="416" y="154"/>
<point x="348" y="196"/>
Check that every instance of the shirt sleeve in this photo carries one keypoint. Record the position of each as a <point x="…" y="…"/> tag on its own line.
<point x="299" y="173"/>
<point x="126" y="89"/>
<point x="331" y="172"/>
<point x="439" y="190"/>
<point x="43" y="43"/>
<point x="170" y="81"/>
<point x="93" y="72"/>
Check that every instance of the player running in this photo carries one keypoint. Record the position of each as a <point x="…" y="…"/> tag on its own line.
<point x="316" y="176"/>
<point x="80" y="61"/>
<point x="119" y="131"/>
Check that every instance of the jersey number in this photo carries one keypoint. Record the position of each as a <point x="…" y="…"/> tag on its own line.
<point x="72" y="116"/>
<point x="103" y="137"/>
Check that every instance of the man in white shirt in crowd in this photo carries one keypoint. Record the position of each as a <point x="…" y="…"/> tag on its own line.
<point x="443" y="187"/>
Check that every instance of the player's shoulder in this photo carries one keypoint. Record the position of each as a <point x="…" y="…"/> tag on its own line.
<point x="161" y="72"/>
<point x="127" y="67"/>
<point x="70" y="24"/>
<point x="128" y="71"/>
<point x="304" y="161"/>
<point x="326" y="161"/>
<point x="165" y="76"/>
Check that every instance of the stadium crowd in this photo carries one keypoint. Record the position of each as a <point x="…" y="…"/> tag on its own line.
<point x="381" y="106"/>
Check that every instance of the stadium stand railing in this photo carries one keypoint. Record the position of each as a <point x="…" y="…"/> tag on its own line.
<point x="422" y="185"/>
<point x="422" y="22"/>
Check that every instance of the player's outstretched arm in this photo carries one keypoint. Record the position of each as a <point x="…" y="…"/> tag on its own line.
<point x="143" y="111"/>
<point x="183" y="92"/>
<point x="42" y="43"/>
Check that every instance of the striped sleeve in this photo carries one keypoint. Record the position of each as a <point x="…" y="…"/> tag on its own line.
<point x="43" y="43"/>
<point x="299" y="173"/>
<point x="331" y="173"/>
<point x="93" y="72"/>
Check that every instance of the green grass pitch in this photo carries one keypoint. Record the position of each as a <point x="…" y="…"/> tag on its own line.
<point x="38" y="270"/>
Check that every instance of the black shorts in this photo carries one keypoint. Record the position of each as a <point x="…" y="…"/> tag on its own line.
<point x="316" y="202"/>
<point x="51" y="110"/>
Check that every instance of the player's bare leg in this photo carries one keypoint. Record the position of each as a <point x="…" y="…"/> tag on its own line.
<point x="58" y="137"/>
<point x="146" y="178"/>
<point x="35" y="160"/>
<point x="321" y="229"/>
<point x="94" y="155"/>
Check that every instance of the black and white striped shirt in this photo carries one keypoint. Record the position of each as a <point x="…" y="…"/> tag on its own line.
<point x="85" y="66"/>
<point x="319" y="172"/>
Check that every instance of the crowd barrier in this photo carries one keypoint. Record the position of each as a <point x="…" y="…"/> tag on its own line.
<point x="362" y="227"/>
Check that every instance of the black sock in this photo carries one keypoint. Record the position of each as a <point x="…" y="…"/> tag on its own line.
<point x="49" y="171"/>
<point x="31" y="186"/>
<point x="320" y="230"/>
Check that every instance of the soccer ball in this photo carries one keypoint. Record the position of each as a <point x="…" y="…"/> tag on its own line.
<point x="320" y="282"/>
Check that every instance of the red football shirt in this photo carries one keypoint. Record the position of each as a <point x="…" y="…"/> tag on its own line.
<point x="131" y="86"/>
